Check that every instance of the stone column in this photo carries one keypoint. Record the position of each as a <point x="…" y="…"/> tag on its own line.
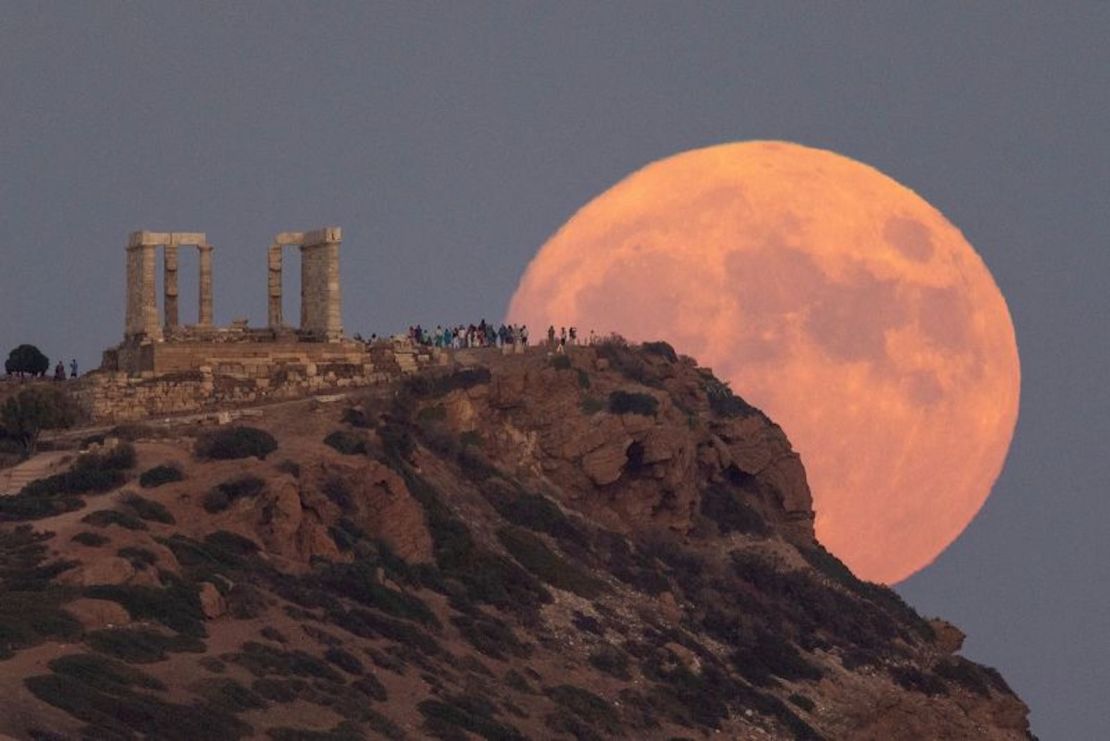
<point x="133" y="319"/>
<point x="169" y="283"/>
<point x="274" y="259"/>
<point x="204" y="252"/>
<point x="321" y="306"/>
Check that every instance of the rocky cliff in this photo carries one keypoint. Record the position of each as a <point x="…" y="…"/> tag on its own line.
<point x="604" y="544"/>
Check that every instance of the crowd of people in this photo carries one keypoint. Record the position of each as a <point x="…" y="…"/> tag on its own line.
<point x="482" y="334"/>
<point x="486" y="334"/>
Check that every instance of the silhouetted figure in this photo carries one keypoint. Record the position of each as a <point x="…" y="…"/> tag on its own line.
<point x="59" y="372"/>
<point x="73" y="368"/>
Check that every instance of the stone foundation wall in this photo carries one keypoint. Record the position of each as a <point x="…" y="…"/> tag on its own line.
<point x="200" y="377"/>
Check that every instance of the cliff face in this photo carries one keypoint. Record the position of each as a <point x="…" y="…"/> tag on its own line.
<point x="601" y="544"/>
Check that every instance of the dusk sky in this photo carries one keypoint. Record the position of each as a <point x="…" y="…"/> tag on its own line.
<point x="450" y="140"/>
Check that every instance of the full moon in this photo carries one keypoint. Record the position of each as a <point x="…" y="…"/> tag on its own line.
<point x="832" y="297"/>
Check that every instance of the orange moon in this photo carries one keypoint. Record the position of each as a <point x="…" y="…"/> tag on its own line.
<point x="827" y="294"/>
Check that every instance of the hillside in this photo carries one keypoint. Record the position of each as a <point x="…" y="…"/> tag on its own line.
<point x="605" y="544"/>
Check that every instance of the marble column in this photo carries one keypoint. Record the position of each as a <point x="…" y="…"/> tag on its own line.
<point x="169" y="285"/>
<point x="204" y="252"/>
<point x="274" y="259"/>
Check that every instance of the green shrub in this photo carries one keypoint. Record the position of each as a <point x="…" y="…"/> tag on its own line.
<point x="176" y="606"/>
<point x="141" y="645"/>
<point x="338" y="491"/>
<point x="228" y="695"/>
<point x="164" y="474"/>
<point x="491" y="636"/>
<point x="560" y="362"/>
<point x="140" y="558"/>
<point x="225" y="494"/>
<point x="802" y="701"/>
<point x="345" y="660"/>
<point x="662" y="349"/>
<point x="443" y="717"/>
<point x="106" y="517"/>
<point x="290" y="467"/>
<point x="624" y="402"/>
<point x="148" y="509"/>
<point x="81" y="479"/>
<point x="262" y="660"/>
<point x="964" y="672"/>
<point x="611" y="660"/>
<point x="119" y="458"/>
<point x="583" y="379"/>
<point x="722" y="401"/>
<point x="533" y="554"/>
<point x="345" y="731"/>
<point x="429" y="385"/>
<point x="117" y="711"/>
<point x="397" y="441"/>
<point x="26" y="414"/>
<point x="915" y="680"/>
<point x="533" y="511"/>
<point x="236" y="442"/>
<point x="592" y="709"/>
<point x="347" y="443"/>
<point x="356" y="418"/>
<point x="359" y="581"/>
<point x="591" y="405"/>
<point x="730" y="514"/>
<point x="93" y="540"/>
<point x="103" y="673"/>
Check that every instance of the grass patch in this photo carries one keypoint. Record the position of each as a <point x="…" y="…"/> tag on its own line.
<point x="232" y="443"/>
<point x="166" y="473"/>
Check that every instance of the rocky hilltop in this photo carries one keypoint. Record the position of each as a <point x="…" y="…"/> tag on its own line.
<point x="603" y="544"/>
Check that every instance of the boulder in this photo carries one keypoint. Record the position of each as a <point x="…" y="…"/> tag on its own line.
<point x="211" y="601"/>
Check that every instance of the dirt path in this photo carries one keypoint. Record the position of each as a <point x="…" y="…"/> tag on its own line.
<point x="39" y="466"/>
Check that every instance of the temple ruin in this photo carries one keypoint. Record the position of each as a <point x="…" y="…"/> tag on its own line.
<point x="164" y="367"/>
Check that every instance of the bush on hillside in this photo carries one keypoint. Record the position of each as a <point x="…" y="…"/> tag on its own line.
<point x="624" y="402"/>
<point x="25" y="415"/>
<point x="148" y="509"/>
<point x="236" y="442"/>
<point x="225" y="494"/>
<point x="347" y="443"/>
<point x="164" y="474"/>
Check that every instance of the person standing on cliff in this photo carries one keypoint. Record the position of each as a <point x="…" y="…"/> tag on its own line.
<point x="551" y="337"/>
<point x="73" y="368"/>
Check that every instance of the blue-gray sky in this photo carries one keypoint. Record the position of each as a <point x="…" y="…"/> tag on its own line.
<point x="450" y="139"/>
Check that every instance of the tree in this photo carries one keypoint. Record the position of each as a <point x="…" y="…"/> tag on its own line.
<point x="33" y="410"/>
<point x="26" y="359"/>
